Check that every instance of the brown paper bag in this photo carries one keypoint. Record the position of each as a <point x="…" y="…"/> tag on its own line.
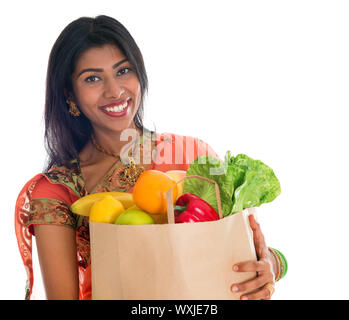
<point x="187" y="261"/>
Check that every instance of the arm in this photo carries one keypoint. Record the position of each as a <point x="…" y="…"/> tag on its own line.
<point x="56" y="247"/>
<point x="266" y="268"/>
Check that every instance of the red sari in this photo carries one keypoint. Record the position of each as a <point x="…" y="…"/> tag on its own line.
<point x="47" y="197"/>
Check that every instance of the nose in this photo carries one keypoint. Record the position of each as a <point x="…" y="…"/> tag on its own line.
<point x="113" y="90"/>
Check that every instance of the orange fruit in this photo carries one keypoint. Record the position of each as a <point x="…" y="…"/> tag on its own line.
<point x="149" y="192"/>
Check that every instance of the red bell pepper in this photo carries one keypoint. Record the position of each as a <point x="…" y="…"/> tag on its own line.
<point x="191" y="208"/>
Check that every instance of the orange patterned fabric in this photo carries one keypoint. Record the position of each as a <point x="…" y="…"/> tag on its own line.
<point x="47" y="197"/>
<point x="30" y="210"/>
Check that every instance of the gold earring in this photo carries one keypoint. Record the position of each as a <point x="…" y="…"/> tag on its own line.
<point x="73" y="109"/>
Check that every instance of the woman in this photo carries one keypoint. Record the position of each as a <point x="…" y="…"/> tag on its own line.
<point x="96" y="83"/>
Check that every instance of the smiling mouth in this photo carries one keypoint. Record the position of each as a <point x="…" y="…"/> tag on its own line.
<point x="117" y="107"/>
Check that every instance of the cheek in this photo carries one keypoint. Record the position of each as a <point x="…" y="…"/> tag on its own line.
<point x="136" y="89"/>
<point x="85" y="97"/>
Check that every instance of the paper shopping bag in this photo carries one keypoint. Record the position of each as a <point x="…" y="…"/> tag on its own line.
<point x="171" y="261"/>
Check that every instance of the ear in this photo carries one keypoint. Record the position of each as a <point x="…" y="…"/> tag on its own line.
<point x="68" y="95"/>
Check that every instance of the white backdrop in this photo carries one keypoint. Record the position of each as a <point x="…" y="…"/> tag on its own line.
<point x="265" y="78"/>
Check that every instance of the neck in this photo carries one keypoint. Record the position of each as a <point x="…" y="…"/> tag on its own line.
<point x="115" y="141"/>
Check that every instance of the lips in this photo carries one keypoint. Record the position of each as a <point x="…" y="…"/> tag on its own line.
<point x="115" y="104"/>
<point x="116" y="109"/>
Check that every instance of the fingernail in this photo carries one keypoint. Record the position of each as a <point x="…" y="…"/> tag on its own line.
<point x="255" y="216"/>
<point x="252" y="211"/>
<point x="235" y="288"/>
<point x="235" y="268"/>
<point x="244" y="298"/>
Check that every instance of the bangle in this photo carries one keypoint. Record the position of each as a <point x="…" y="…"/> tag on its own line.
<point x="283" y="263"/>
<point x="278" y="262"/>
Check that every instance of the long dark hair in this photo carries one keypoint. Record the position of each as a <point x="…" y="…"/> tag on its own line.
<point x="65" y="135"/>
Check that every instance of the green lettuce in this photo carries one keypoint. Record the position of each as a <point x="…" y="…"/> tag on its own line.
<point x="204" y="166"/>
<point x="243" y="182"/>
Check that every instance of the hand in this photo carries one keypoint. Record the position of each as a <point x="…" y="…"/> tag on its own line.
<point x="264" y="268"/>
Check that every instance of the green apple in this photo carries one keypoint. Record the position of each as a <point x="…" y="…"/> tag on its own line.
<point x="134" y="216"/>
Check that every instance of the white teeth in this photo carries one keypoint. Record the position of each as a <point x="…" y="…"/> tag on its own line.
<point x="117" y="108"/>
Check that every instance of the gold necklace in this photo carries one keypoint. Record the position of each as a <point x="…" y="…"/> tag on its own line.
<point x="129" y="173"/>
<point x="101" y="149"/>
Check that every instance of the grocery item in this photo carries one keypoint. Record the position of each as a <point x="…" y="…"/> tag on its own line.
<point x="106" y="210"/>
<point x="243" y="182"/>
<point x="191" y="208"/>
<point x="149" y="192"/>
<point x="158" y="218"/>
<point x="83" y="205"/>
<point x="177" y="175"/>
<point x="134" y="216"/>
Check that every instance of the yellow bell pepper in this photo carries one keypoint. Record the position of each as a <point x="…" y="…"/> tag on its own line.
<point x="106" y="210"/>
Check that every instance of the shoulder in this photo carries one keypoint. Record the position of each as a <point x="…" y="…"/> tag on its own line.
<point x="187" y="143"/>
<point x="42" y="202"/>
<point x="60" y="183"/>
<point x="176" y="151"/>
<point x="46" y="189"/>
<point x="68" y="177"/>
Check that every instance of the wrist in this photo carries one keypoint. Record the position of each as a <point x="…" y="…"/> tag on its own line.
<point x="281" y="262"/>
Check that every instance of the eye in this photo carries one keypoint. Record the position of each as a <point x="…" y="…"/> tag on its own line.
<point x="124" y="71"/>
<point x="92" y="79"/>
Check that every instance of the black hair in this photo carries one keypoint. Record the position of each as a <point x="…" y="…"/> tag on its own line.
<point x="66" y="135"/>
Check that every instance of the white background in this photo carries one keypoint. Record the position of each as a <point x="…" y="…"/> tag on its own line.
<point x="265" y="78"/>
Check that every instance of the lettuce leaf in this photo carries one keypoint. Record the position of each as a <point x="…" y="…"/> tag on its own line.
<point x="259" y="184"/>
<point x="213" y="169"/>
<point x="243" y="182"/>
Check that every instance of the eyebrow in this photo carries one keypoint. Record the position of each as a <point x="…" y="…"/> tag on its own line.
<point x="100" y="69"/>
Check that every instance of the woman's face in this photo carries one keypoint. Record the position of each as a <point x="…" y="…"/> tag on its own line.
<point x="106" y="88"/>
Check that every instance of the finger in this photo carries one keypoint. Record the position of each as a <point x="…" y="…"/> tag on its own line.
<point x="255" y="226"/>
<point x="261" y="294"/>
<point x="253" y="221"/>
<point x="251" y="266"/>
<point x="250" y="285"/>
<point x="258" y="238"/>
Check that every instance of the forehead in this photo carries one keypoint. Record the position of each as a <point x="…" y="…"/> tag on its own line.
<point x="99" y="57"/>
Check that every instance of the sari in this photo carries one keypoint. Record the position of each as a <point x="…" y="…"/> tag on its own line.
<point x="46" y="199"/>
